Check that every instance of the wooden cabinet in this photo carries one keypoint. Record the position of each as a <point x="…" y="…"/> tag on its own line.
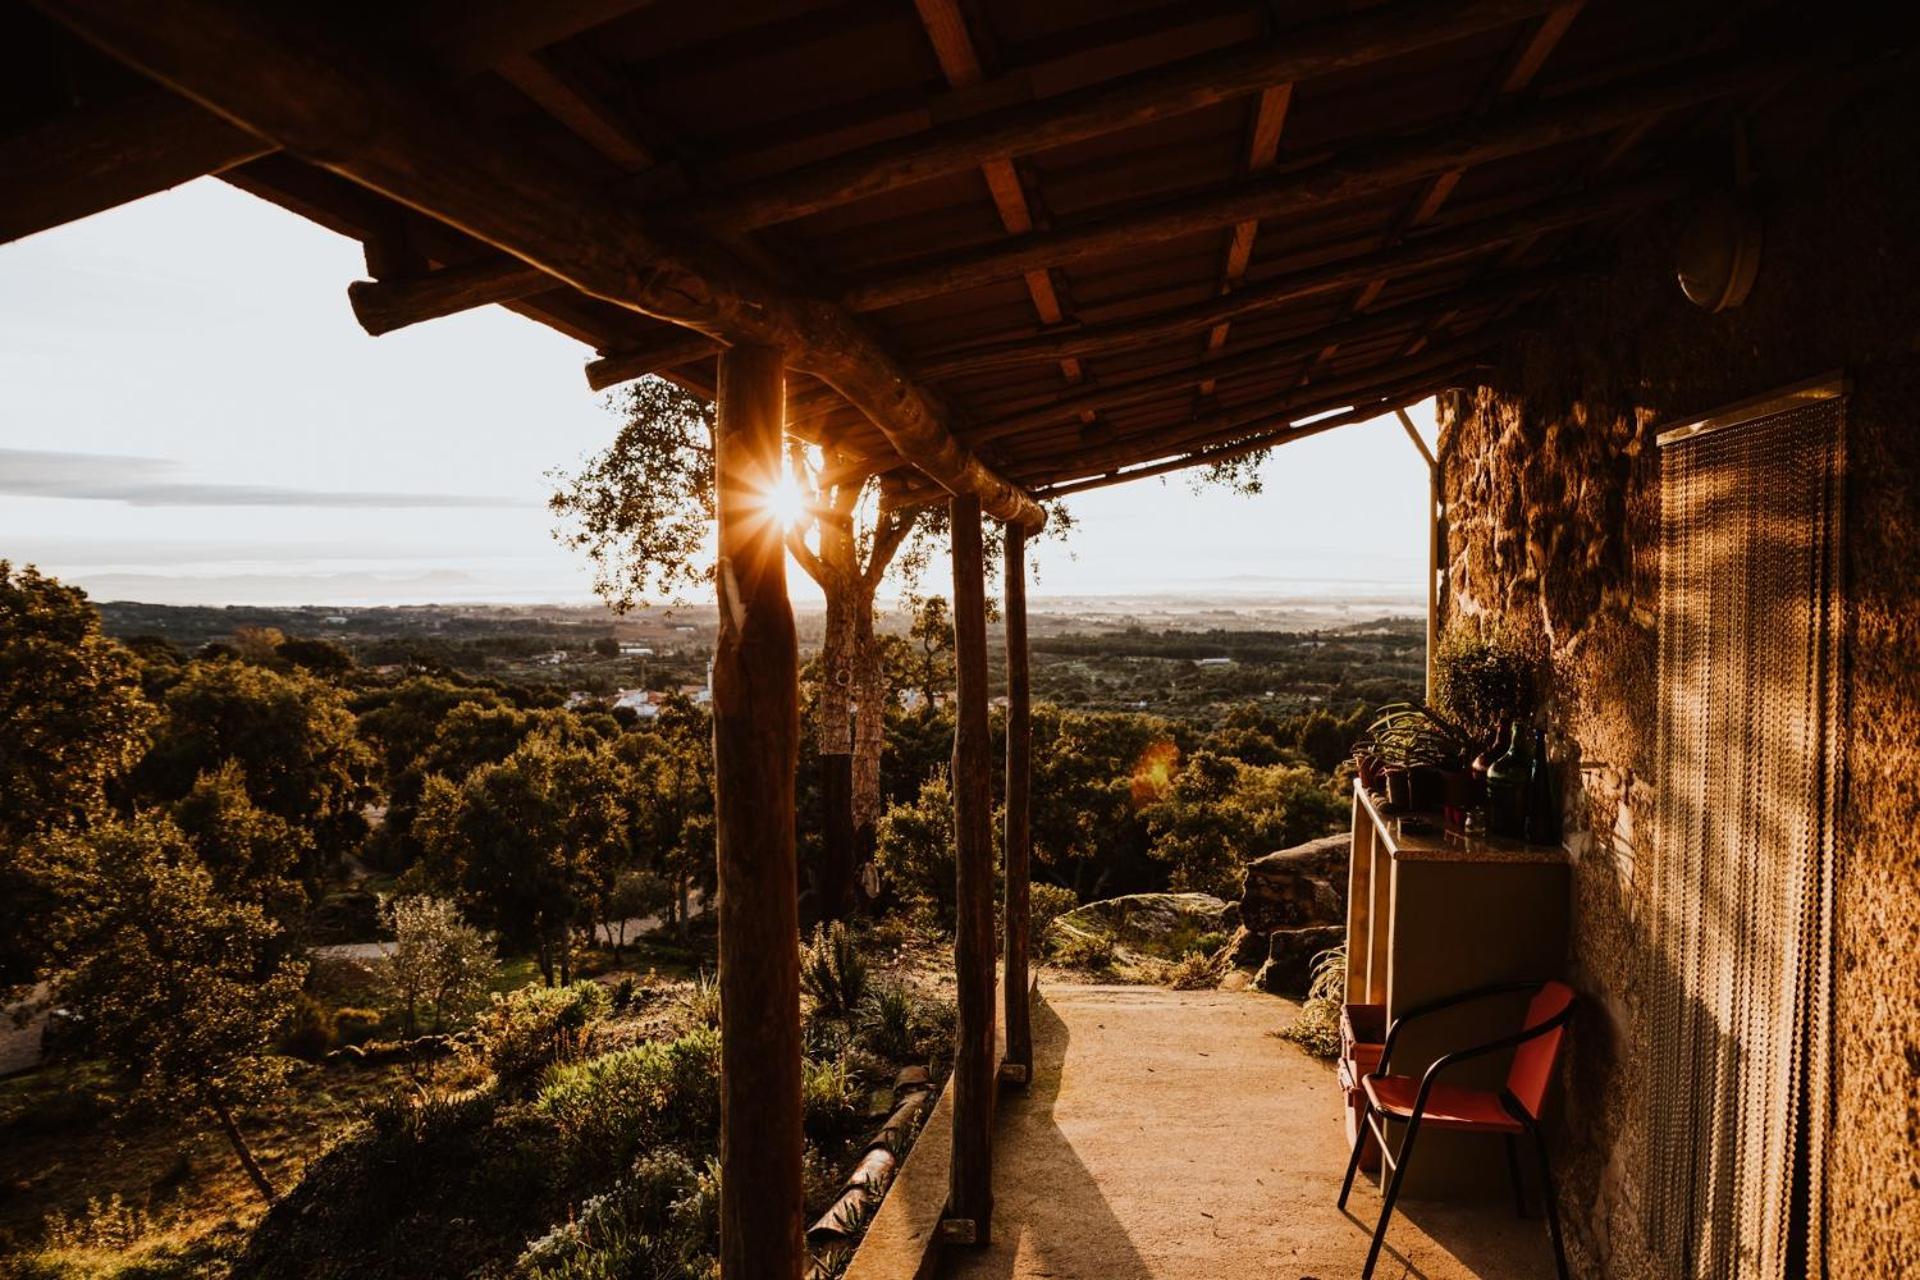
<point x="1430" y="914"/>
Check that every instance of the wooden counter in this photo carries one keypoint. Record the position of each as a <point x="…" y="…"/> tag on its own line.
<point x="1430" y="914"/>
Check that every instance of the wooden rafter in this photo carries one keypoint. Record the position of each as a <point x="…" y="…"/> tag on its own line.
<point x="325" y="99"/>
<point x="1230" y="422"/>
<point x="1263" y="145"/>
<point x="1155" y="328"/>
<point x="1332" y="45"/>
<point x="1525" y="62"/>
<point x="1387" y="321"/>
<point x="1284" y="432"/>
<point x="1361" y="172"/>
<point x="953" y="46"/>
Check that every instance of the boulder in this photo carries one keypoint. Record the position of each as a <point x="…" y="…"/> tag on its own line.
<point x="1290" y="953"/>
<point x="1291" y="888"/>
<point x="1164" y="925"/>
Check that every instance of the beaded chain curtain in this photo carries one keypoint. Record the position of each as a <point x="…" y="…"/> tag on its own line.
<point x="1742" y="884"/>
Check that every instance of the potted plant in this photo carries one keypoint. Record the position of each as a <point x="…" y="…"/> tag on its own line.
<point x="1420" y="749"/>
<point x="1367" y="767"/>
<point x="1481" y="683"/>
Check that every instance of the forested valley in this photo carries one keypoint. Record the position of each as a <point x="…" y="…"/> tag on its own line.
<point x="375" y="942"/>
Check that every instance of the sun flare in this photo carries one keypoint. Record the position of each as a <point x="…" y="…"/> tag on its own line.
<point x="786" y="502"/>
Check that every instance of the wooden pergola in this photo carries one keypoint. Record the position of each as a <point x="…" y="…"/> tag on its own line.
<point x="989" y="252"/>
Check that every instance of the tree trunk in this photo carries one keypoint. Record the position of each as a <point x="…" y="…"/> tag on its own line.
<point x="869" y="734"/>
<point x="756" y="738"/>
<point x="1019" y="790"/>
<point x="833" y="712"/>
<point x="970" y="1178"/>
<point x="254" y="1172"/>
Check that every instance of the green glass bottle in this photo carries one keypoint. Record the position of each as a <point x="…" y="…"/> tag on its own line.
<point x="1543" y="815"/>
<point x="1507" y="788"/>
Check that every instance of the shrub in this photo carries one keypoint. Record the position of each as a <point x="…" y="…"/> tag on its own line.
<point x="887" y="1022"/>
<point x="1317" y="1027"/>
<point x="310" y="1034"/>
<point x="1207" y="943"/>
<point x="1084" y="950"/>
<point x="701" y="1001"/>
<point x="1477" y="682"/>
<point x="833" y="971"/>
<point x="437" y="959"/>
<point x="104" y="1224"/>
<point x="828" y="1096"/>
<point x="1047" y="903"/>
<point x="661" y="1221"/>
<point x="353" y="1025"/>
<point x="913" y="846"/>
<point x="522" y="1033"/>
<point x="825" y="1037"/>
<point x="657" y="1093"/>
<point x="1195" y="971"/>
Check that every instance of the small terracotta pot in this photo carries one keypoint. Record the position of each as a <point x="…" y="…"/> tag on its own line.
<point x="1425" y="787"/>
<point x="1399" y="787"/>
<point x="1367" y="768"/>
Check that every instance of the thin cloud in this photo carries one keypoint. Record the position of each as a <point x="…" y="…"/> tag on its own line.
<point x="148" y="482"/>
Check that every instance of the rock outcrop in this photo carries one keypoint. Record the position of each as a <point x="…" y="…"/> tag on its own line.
<point x="1162" y="925"/>
<point x="1293" y="907"/>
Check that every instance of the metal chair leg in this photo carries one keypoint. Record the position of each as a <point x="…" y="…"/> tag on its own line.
<point x="1553" y="1204"/>
<point x="1513" y="1176"/>
<point x="1359" y="1145"/>
<point x="1393" y="1193"/>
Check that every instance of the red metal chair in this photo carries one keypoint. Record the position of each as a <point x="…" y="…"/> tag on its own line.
<point x="1431" y="1102"/>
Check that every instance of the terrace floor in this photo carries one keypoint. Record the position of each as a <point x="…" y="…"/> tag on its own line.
<point x="1168" y="1135"/>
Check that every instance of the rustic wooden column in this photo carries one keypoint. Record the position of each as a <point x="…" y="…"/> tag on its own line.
<point x="1017" y="1064"/>
<point x="970" y="1185"/>
<point x="1435" y="542"/>
<point x="756" y="747"/>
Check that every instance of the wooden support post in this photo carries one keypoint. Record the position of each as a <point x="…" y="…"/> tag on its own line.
<point x="1433" y="542"/>
<point x="756" y="748"/>
<point x="970" y="1186"/>
<point x="1017" y="1066"/>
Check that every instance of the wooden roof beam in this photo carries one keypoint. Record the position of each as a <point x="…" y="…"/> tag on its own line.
<point x="1156" y="328"/>
<point x="668" y="351"/>
<point x="1263" y="146"/>
<point x="953" y="46"/>
<point x="980" y="267"/>
<point x="108" y="154"/>
<point x="1362" y="171"/>
<point x="1228" y="421"/>
<point x="959" y="62"/>
<point x="1291" y="349"/>
<point x="385" y="305"/>
<point x="1318" y="48"/>
<point x="1284" y="432"/>
<point x="298" y="82"/>
<point x="1521" y="66"/>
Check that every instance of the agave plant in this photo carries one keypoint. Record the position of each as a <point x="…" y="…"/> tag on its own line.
<point x="1407" y="734"/>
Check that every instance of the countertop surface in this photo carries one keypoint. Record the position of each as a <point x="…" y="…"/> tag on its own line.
<point x="1436" y="844"/>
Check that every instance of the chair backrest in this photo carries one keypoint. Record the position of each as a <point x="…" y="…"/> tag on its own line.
<point x="1533" y="1062"/>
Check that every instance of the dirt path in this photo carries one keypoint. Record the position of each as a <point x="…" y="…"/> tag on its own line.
<point x="1168" y="1136"/>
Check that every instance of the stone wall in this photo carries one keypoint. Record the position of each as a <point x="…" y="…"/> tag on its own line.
<point x="1552" y="494"/>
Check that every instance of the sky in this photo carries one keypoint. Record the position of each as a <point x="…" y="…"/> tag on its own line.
<point x="190" y="414"/>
